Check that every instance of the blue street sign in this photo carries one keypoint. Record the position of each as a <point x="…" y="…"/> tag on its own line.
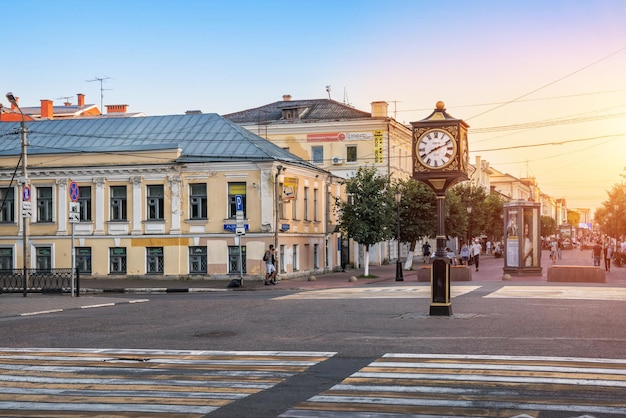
<point x="74" y="191"/>
<point x="238" y="202"/>
<point x="233" y="227"/>
<point x="26" y="193"/>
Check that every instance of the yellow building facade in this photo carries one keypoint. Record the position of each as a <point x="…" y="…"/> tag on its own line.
<point x="339" y="139"/>
<point x="150" y="206"/>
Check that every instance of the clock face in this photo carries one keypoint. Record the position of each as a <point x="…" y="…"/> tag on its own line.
<point x="435" y="148"/>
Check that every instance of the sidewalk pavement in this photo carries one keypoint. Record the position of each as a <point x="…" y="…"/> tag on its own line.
<point x="102" y="292"/>
<point x="491" y="269"/>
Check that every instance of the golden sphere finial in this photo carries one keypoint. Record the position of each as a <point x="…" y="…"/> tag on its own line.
<point x="440" y="105"/>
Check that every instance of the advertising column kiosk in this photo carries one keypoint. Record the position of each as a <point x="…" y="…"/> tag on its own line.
<point x="522" y="238"/>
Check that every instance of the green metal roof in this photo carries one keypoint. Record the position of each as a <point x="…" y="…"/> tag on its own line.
<point x="201" y="137"/>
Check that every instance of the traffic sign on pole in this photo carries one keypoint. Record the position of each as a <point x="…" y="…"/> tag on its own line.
<point x="26" y="193"/>
<point x="74" y="191"/>
<point x="27" y="209"/>
<point x="238" y="202"/>
<point x="74" y="212"/>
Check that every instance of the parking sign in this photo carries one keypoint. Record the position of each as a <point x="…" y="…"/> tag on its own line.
<point x="238" y="202"/>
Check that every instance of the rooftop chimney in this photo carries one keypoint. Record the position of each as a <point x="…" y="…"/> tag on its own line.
<point x="287" y="97"/>
<point x="380" y="109"/>
<point x="81" y="99"/>
<point x="13" y="107"/>
<point x="116" y="108"/>
<point x="46" y="109"/>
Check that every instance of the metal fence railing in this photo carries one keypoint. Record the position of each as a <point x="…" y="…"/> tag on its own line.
<point x="39" y="281"/>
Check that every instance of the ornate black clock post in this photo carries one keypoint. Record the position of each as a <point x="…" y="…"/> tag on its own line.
<point x="440" y="159"/>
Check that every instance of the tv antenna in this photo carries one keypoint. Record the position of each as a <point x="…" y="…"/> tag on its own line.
<point x="67" y="98"/>
<point x="395" y="108"/>
<point x="328" y="91"/>
<point x="101" y="80"/>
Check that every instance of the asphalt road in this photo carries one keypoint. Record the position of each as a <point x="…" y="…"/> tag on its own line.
<point x="515" y="347"/>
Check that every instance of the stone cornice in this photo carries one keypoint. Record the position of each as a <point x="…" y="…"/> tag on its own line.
<point x="100" y="171"/>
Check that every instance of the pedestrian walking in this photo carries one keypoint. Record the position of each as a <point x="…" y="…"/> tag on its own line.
<point x="451" y="255"/>
<point x="553" y="249"/>
<point x="270" y="266"/>
<point x="497" y="252"/>
<point x="475" y="253"/>
<point x="426" y="252"/>
<point x="465" y="254"/>
<point x="596" y="253"/>
<point x="608" y="254"/>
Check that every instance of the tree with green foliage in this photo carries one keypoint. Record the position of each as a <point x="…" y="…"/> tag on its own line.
<point x="610" y="216"/>
<point x="494" y="217"/>
<point x="548" y="226"/>
<point x="455" y="216"/>
<point x="573" y="217"/>
<point x="474" y="197"/>
<point x="368" y="216"/>
<point x="418" y="214"/>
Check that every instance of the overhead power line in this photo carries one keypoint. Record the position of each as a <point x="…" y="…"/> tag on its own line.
<point x="546" y="123"/>
<point x="538" y="99"/>
<point x="549" y="84"/>
<point x="510" y="147"/>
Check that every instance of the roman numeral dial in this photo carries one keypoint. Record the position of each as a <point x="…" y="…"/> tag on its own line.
<point x="436" y="148"/>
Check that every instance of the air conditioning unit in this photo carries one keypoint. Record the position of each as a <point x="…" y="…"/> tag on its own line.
<point x="337" y="160"/>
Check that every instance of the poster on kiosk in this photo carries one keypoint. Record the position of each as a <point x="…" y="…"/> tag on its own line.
<point x="522" y="238"/>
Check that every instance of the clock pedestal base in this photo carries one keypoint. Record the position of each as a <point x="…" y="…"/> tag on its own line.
<point x="440" y="310"/>
<point x="440" y="303"/>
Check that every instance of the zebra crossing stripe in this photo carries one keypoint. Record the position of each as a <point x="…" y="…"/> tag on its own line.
<point x="560" y="292"/>
<point x="170" y="382"/>
<point x="465" y="385"/>
<point x="505" y="292"/>
<point x="380" y="292"/>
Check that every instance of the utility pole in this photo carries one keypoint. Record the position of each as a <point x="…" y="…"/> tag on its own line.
<point x="25" y="194"/>
<point x="277" y="196"/>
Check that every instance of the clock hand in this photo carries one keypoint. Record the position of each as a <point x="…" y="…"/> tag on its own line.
<point x="436" y="148"/>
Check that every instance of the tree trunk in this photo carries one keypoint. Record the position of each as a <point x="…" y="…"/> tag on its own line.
<point x="366" y="261"/>
<point x="408" y="264"/>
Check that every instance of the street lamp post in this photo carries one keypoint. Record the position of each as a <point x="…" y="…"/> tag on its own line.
<point x="25" y="221"/>
<point x="399" y="276"/>
<point x="469" y="217"/>
<point x="616" y="207"/>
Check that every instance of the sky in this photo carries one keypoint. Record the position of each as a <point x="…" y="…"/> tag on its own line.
<point x="542" y="84"/>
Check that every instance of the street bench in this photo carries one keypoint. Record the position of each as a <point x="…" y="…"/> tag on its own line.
<point x="457" y="273"/>
<point x="590" y="274"/>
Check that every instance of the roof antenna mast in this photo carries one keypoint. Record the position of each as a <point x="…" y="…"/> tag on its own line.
<point x="67" y="98"/>
<point x="328" y="91"/>
<point x="101" y="79"/>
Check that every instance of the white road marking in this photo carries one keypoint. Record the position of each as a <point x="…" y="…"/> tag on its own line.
<point x="403" y="292"/>
<point x="560" y="292"/>
<point x="149" y="382"/>
<point x="434" y="385"/>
